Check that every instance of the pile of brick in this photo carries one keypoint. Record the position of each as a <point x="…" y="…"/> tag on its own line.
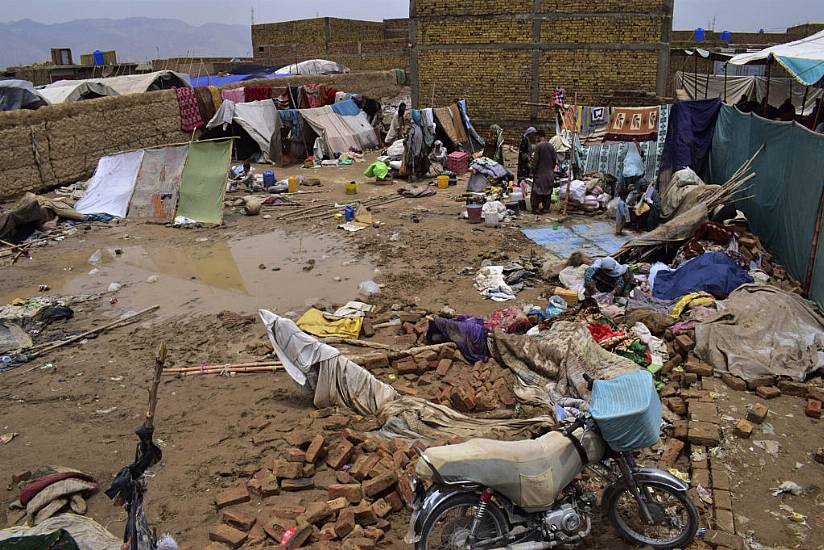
<point x="352" y="485"/>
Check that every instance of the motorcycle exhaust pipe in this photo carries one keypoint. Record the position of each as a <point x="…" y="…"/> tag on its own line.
<point x="529" y="546"/>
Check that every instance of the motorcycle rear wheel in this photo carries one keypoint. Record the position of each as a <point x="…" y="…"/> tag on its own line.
<point x="686" y="525"/>
<point x="448" y="526"/>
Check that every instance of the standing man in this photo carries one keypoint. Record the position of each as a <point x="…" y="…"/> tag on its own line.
<point x="544" y="174"/>
<point x="525" y="153"/>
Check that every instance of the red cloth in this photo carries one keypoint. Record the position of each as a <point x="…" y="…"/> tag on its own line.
<point x="311" y="96"/>
<point x="31" y="489"/>
<point x="330" y="95"/>
<point x="258" y="92"/>
<point x="190" y="118"/>
<point x="602" y="332"/>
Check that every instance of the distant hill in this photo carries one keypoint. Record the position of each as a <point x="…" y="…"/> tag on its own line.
<point x="134" y="39"/>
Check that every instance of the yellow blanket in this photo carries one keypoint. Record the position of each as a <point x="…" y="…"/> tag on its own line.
<point x="315" y="322"/>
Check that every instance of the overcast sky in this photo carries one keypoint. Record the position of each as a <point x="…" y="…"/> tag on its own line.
<point x="733" y="15"/>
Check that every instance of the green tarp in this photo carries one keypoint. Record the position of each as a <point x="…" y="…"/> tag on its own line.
<point x="204" y="181"/>
<point x="786" y="191"/>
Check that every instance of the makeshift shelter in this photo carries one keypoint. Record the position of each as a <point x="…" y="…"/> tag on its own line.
<point x="78" y="90"/>
<point x="203" y="183"/>
<point x="786" y="206"/>
<point x="157" y="183"/>
<point x="731" y="88"/>
<point x="454" y="129"/>
<point x="802" y="59"/>
<point x="341" y="132"/>
<point x="312" y="67"/>
<point x="19" y="94"/>
<point x="110" y="188"/>
<point x="134" y="83"/>
<point x="257" y="121"/>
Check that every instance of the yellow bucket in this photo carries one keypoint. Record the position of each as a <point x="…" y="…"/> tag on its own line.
<point x="351" y="188"/>
<point x="293" y="184"/>
<point x="443" y="182"/>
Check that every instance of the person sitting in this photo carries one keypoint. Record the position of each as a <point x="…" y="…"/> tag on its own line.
<point x="787" y="110"/>
<point x="437" y="158"/>
<point x="246" y="178"/>
<point x="607" y="275"/>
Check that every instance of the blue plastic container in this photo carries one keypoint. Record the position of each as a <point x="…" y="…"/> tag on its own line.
<point x="349" y="213"/>
<point x="627" y="411"/>
<point x="268" y="178"/>
<point x="99" y="58"/>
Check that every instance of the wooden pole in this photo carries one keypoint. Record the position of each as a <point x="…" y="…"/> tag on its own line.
<point x="808" y="280"/>
<point x="803" y="101"/>
<point x="726" y="70"/>
<point x="709" y="71"/>
<point x="695" y="73"/>
<point x="227" y="366"/>
<point x="160" y="360"/>
<point x="767" y="99"/>
<point x="571" y="157"/>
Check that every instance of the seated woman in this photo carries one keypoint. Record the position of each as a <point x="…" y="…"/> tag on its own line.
<point x="607" y="275"/>
<point x="437" y="158"/>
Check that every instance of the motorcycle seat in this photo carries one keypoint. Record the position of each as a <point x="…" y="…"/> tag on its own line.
<point x="530" y="473"/>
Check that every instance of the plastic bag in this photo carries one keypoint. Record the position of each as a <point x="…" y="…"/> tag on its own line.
<point x="369" y="288"/>
<point x="612" y="207"/>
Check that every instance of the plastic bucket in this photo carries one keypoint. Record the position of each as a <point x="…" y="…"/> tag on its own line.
<point x="351" y="188"/>
<point x="474" y="212"/>
<point x="443" y="182"/>
<point x="293" y="184"/>
<point x="268" y="178"/>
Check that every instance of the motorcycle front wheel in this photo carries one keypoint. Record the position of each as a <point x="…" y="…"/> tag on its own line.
<point x="448" y="526"/>
<point x="675" y="519"/>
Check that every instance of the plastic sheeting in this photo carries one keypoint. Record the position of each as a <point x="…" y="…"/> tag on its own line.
<point x="203" y="183"/>
<point x="627" y="410"/>
<point x="158" y="182"/>
<point x="712" y="272"/>
<point x="340" y="133"/>
<point x="762" y="330"/>
<point x="19" y="94"/>
<point x="785" y="191"/>
<point x="313" y="67"/>
<point x="754" y="87"/>
<point x="258" y="118"/>
<point x="134" y="83"/>
<point x="334" y="380"/>
<point x="82" y="90"/>
<point x="110" y="188"/>
<point x="803" y="59"/>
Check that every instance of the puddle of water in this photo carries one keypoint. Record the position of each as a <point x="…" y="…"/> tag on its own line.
<point x="211" y="276"/>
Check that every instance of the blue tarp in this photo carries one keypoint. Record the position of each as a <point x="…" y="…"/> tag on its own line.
<point x="627" y="410"/>
<point x="712" y="272"/>
<point x="346" y="108"/>
<point x="214" y="80"/>
<point x="596" y="238"/>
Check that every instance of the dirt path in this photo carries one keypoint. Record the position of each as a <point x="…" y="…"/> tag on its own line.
<point x="81" y="412"/>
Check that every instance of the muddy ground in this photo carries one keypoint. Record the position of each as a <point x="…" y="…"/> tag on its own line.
<point x="82" y="410"/>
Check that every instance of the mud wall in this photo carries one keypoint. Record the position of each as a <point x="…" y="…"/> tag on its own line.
<point x="61" y="144"/>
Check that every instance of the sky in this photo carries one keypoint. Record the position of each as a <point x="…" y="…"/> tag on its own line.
<point x="732" y="15"/>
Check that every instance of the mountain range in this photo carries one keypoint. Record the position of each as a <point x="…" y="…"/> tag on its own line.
<point x="134" y="39"/>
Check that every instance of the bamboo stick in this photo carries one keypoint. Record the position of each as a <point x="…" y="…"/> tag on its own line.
<point x="241" y="370"/>
<point x="226" y="366"/>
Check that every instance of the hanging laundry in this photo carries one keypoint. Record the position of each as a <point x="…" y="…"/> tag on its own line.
<point x="190" y="118"/>
<point x="237" y="95"/>
<point x="205" y="104"/>
<point x="217" y="99"/>
<point x="258" y="92"/>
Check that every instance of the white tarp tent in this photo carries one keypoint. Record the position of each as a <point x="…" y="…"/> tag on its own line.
<point x="754" y="87"/>
<point x="803" y="59"/>
<point x="19" y="94"/>
<point x="313" y="67"/>
<point x="78" y="90"/>
<point x="258" y="118"/>
<point x="110" y="188"/>
<point x="134" y="83"/>
<point x="341" y="133"/>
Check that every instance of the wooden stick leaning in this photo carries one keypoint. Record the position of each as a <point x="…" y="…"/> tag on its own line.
<point x="160" y="360"/>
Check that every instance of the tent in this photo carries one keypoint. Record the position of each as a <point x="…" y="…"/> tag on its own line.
<point x="134" y="83"/>
<point x="341" y="133"/>
<point x="313" y="67"/>
<point x="803" y="59"/>
<point x="147" y="183"/>
<point x="257" y="119"/>
<point x="19" y="94"/>
<point x="731" y="88"/>
<point x="79" y="91"/>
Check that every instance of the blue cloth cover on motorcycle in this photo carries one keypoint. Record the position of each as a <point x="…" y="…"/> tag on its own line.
<point x="627" y="410"/>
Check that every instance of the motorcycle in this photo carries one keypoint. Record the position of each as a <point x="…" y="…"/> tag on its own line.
<point x="527" y="495"/>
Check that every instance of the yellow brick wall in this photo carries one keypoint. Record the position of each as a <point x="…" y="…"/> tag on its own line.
<point x="471" y="7"/>
<point x="474" y="31"/>
<point x="595" y="6"/>
<point x="602" y="30"/>
<point x="304" y="31"/>
<point x="346" y="30"/>
<point x="493" y="82"/>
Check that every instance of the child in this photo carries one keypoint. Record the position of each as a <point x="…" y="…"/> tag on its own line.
<point x="622" y="212"/>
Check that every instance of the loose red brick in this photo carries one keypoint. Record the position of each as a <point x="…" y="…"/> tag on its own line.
<point x="316" y="512"/>
<point x="757" y="413"/>
<point x="295" y="455"/>
<point x="734" y="382"/>
<point x="680" y="429"/>
<point x="765" y="380"/>
<point x="302" y="534"/>
<point x="381" y="508"/>
<point x="21" y="475"/>
<point x="463" y="398"/>
<point x="301" y="484"/>
<point x="720" y="479"/>
<point x="704" y="433"/>
<point x="407" y="366"/>
<point x="351" y="492"/>
<point x="676" y="405"/>
<point x="790" y="387"/>
<point x="443" y="367"/>
<point x="743" y="428"/>
<point x="267" y="487"/>
<point x="337" y="504"/>
<point x="367" y="329"/>
<point x="298" y="438"/>
<point x="363" y="465"/>
<point x="345" y="523"/>
<point x="288" y="510"/>
<point x="724" y="521"/>
<point x="336" y="422"/>
<point x="818" y="455"/>
<point x="394" y="501"/>
<point x="379" y="484"/>
<point x="282" y="469"/>
<point x="722" y="500"/>
<point x="327" y="532"/>
<point x="813" y="408"/>
<point x="227" y="535"/>
<point x="339" y="454"/>
<point x="696" y="366"/>
<point x="671" y="452"/>
<point x="239" y="519"/>
<point x="230" y="497"/>
<point x="684" y="344"/>
<point x="767" y="392"/>
<point x="364" y="515"/>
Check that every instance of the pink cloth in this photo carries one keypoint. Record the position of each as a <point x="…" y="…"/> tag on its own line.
<point x="238" y="95"/>
<point x="189" y="112"/>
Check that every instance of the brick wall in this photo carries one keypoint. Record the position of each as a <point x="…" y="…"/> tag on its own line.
<point x="61" y="144"/>
<point x="360" y="45"/>
<point x="501" y="55"/>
